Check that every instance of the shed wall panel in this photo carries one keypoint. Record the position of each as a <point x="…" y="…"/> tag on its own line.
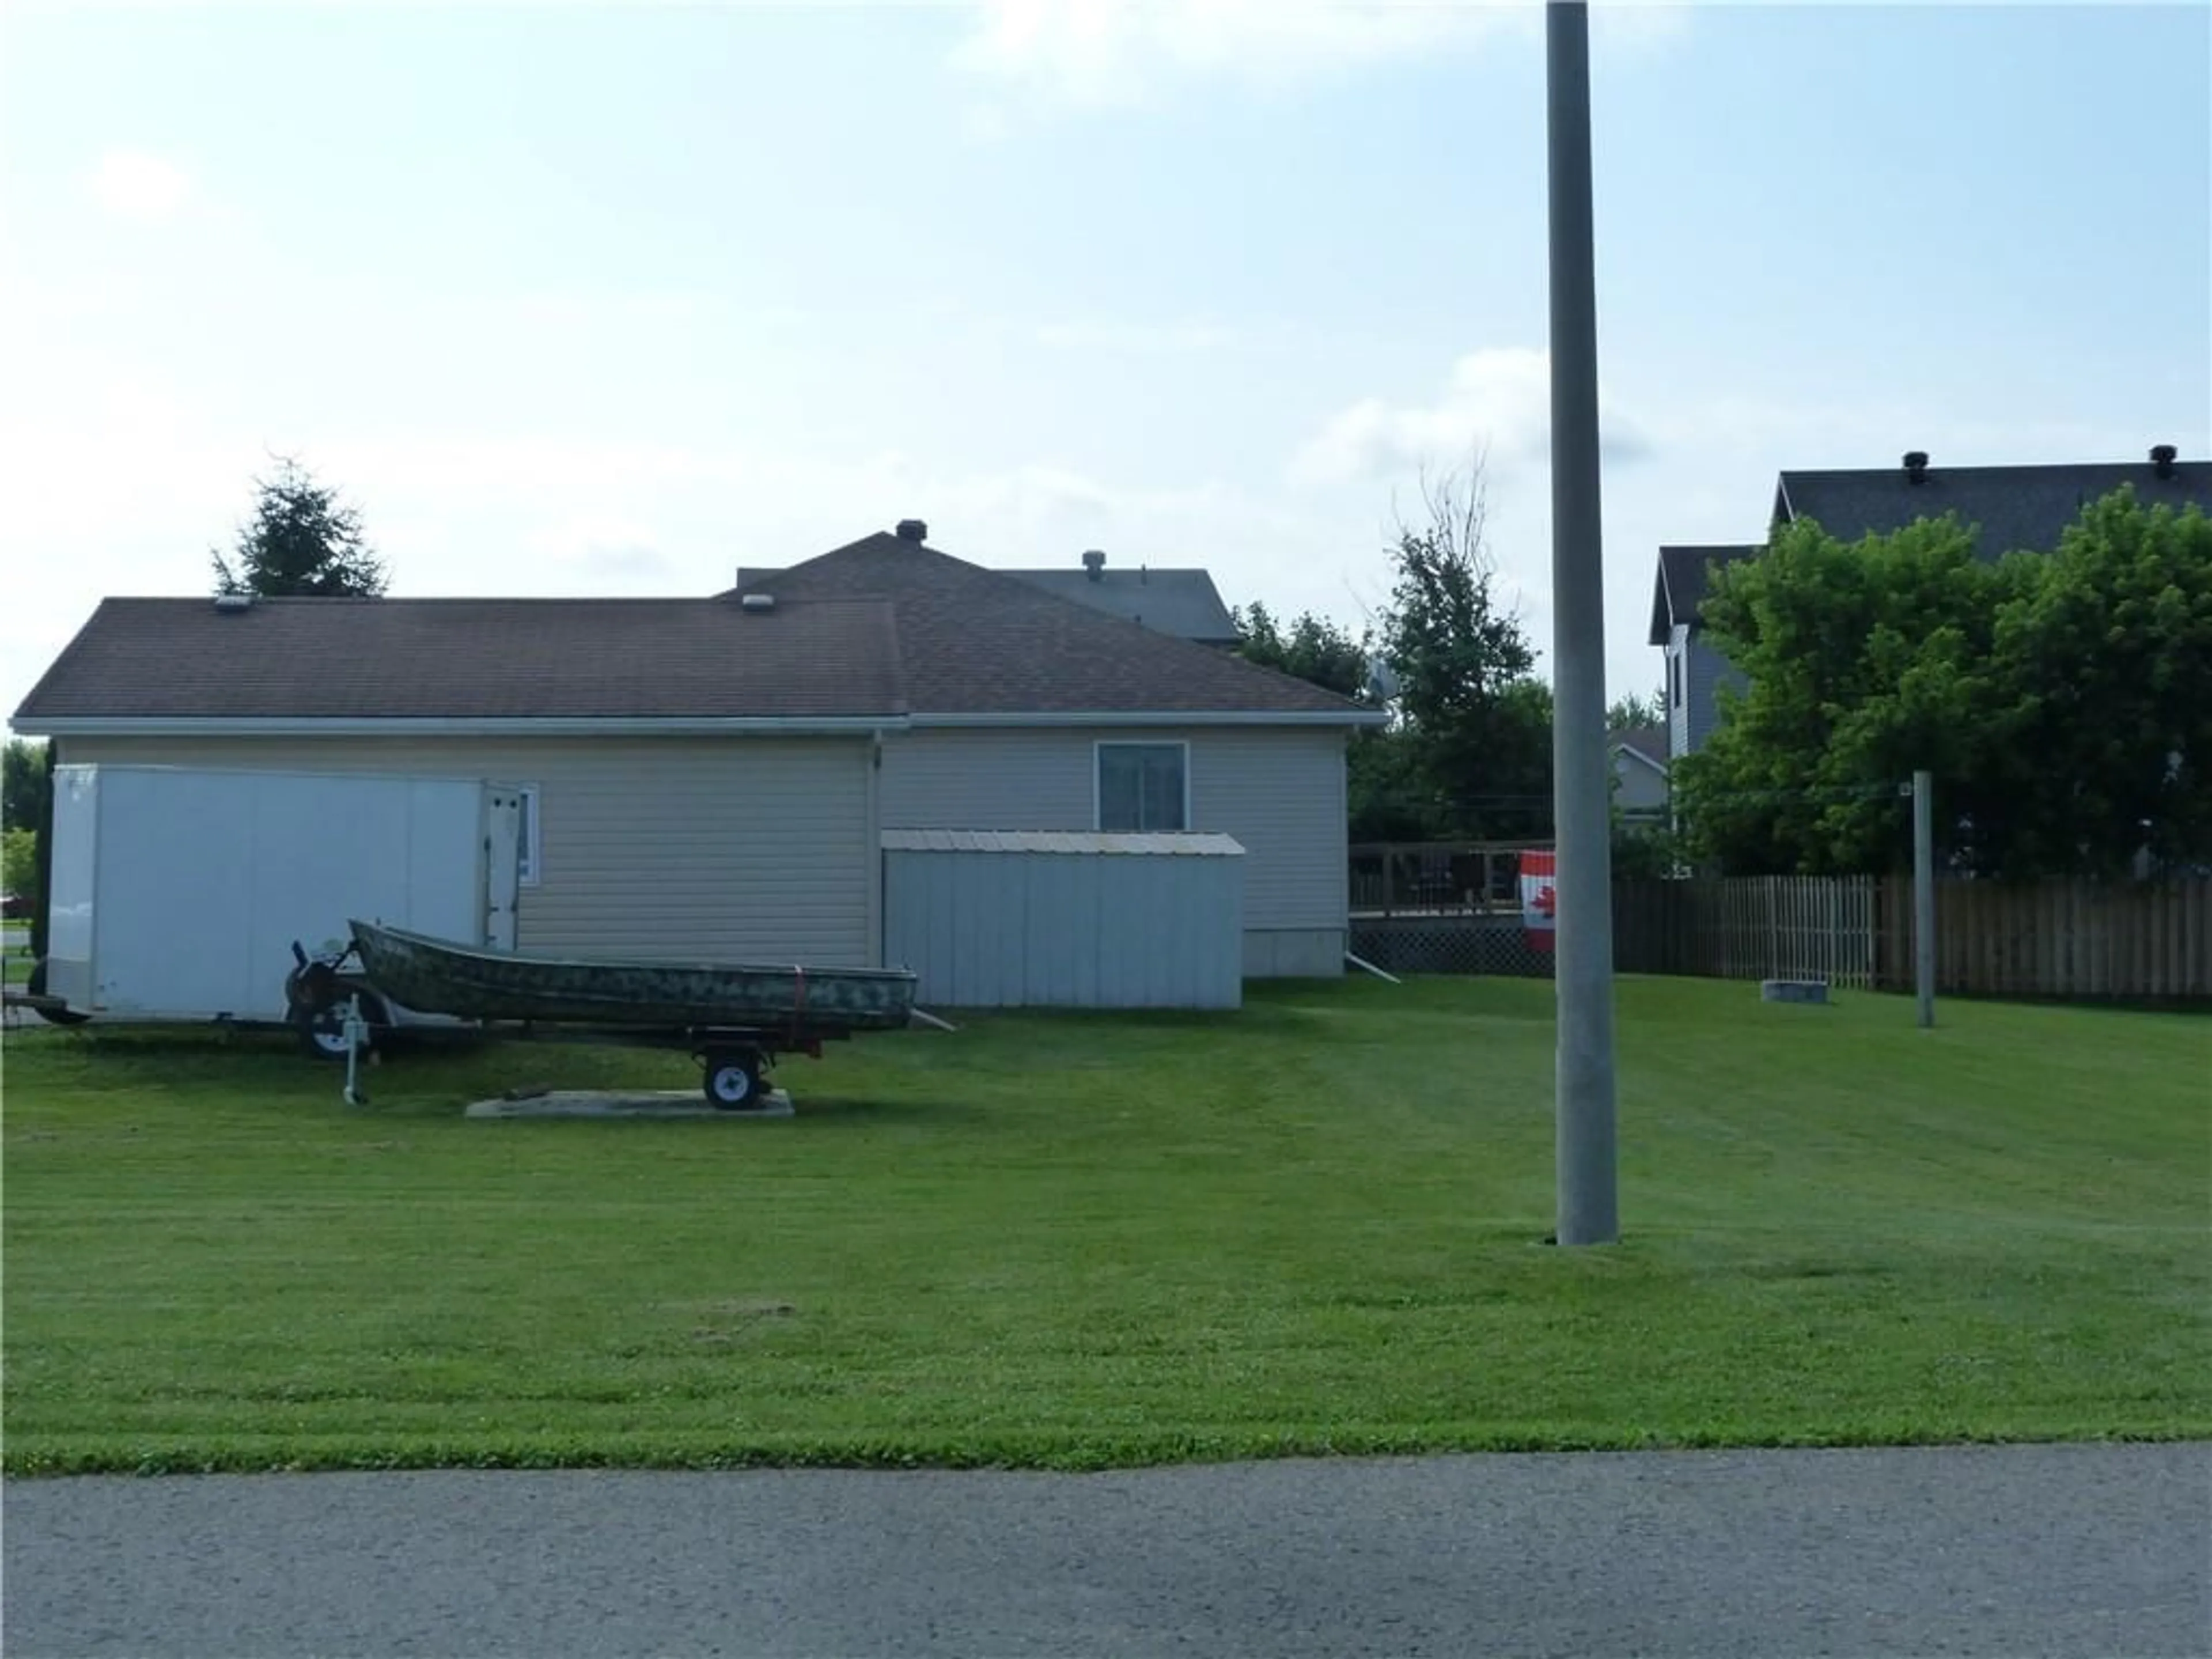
<point x="1039" y="929"/>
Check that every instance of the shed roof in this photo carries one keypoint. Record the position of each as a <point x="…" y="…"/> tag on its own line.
<point x="1155" y="844"/>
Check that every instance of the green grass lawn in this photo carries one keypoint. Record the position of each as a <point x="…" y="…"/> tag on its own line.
<point x="1075" y="1242"/>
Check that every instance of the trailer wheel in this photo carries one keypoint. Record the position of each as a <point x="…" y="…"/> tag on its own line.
<point x="733" y="1080"/>
<point x="37" y="988"/>
<point x="322" y="1031"/>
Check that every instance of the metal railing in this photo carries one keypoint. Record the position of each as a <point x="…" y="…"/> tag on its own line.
<point x="1438" y="878"/>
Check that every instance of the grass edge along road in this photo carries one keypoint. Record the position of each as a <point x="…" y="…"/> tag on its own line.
<point x="1073" y="1241"/>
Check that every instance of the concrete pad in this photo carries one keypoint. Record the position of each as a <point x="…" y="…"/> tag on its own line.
<point x="645" y="1103"/>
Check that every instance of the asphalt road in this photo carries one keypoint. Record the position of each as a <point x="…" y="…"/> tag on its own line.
<point x="2104" y="1550"/>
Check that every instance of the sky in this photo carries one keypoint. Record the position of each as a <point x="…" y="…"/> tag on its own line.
<point x="612" y="298"/>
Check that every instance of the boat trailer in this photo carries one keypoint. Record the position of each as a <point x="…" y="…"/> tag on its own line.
<point x="735" y="1059"/>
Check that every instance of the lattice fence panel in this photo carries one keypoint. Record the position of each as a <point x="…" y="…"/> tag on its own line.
<point x="1450" y="945"/>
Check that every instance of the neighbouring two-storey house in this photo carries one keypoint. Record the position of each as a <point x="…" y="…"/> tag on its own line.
<point x="2015" y="509"/>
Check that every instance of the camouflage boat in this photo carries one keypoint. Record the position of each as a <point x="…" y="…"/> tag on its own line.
<point x="438" y="976"/>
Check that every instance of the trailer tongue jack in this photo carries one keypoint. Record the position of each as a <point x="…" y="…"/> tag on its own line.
<point x="356" y="1028"/>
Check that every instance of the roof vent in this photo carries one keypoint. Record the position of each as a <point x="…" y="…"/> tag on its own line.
<point x="2161" y="460"/>
<point x="1915" y="465"/>
<point x="757" y="601"/>
<point x="234" y="602"/>
<point x="912" y="530"/>
<point x="1094" y="563"/>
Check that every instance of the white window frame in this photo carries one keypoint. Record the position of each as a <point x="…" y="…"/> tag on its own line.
<point x="1098" y="770"/>
<point x="529" y="868"/>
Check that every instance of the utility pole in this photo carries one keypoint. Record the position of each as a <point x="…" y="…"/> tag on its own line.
<point x="1924" y="894"/>
<point x="1588" y="1160"/>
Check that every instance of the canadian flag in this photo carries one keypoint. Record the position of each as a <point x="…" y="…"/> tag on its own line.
<point x="1540" y="901"/>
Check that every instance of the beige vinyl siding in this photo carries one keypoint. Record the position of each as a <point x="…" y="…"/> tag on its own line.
<point x="1017" y="779"/>
<point x="755" y="849"/>
<point x="1279" y="792"/>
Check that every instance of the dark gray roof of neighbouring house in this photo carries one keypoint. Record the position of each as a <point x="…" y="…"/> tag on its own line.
<point x="1648" y="741"/>
<point x="2015" y="508"/>
<point x="974" y="641"/>
<point x="2018" y="508"/>
<point x="474" y="660"/>
<point x="1185" y="602"/>
<point x="1680" y="587"/>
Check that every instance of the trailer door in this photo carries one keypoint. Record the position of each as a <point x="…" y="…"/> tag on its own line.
<point x="502" y="863"/>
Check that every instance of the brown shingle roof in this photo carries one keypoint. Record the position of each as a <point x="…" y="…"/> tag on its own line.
<point x="475" y="658"/>
<point x="974" y="641"/>
<point x="876" y="628"/>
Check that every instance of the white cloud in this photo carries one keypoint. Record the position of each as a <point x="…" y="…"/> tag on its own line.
<point x="1095" y="52"/>
<point x="985" y="124"/>
<point x="1112" y="51"/>
<point x="1497" y="401"/>
<point x="1098" y="334"/>
<point x="1638" y="26"/>
<point x="619" y="553"/>
<point x="516" y="511"/>
<point x="141" y="186"/>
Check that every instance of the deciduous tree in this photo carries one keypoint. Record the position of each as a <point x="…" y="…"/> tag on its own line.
<point x="1312" y="648"/>
<point x="1626" y="713"/>
<point x="1481" y="722"/>
<point x="2062" y="701"/>
<point x="24" y="787"/>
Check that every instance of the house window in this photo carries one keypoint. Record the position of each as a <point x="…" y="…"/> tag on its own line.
<point x="1144" y="787"/>
<point x="1674" y="677"/>
<point x="525" y="859"/>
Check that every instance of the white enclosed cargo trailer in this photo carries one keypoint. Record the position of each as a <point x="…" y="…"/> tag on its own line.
<point x="177" y="893"/>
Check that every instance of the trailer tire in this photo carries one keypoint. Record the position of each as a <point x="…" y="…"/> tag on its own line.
<point x="733" y="1080"/>
<point x="37" y="986"/>
<point x="322" y="1031"/>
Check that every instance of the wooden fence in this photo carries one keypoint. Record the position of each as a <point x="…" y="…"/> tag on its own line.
<point x="2069" y="940"/>
<point x="2080" y="940"/>
<point x="1753" y="928"/>
<point x="2075" y="940"/>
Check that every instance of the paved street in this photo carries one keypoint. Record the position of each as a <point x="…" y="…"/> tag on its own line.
<point x="2002" y="1551"/>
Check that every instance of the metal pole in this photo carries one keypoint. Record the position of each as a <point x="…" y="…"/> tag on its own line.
<point x="1588" y="1207"/>
<point x="1924" y="894"/>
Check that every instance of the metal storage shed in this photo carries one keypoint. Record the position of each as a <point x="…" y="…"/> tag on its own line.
<point x="996" y="918"/>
